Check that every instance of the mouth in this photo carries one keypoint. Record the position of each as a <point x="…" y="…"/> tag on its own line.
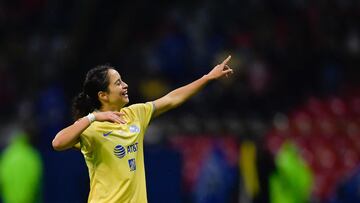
<point x="125" y="94"/>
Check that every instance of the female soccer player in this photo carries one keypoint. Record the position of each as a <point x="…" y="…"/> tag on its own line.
<point x="110" y="135"/>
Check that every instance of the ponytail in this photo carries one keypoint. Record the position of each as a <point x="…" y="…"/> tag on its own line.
<point x="87" y="101"/>
<point x="82" y="105"/>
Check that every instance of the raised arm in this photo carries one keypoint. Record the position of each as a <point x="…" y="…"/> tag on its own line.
<point x="180" y="95"/>
<point x="70" y="135"/>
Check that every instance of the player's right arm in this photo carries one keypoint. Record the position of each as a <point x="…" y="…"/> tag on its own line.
<point x="69" y="136"/>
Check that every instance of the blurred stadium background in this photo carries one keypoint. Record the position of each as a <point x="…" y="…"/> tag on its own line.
<point x="284" y="128"/>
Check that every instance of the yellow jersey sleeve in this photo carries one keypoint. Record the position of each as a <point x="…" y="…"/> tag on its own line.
<point x="77" y="146"/>
<point x="143" y="112"/>
<point x="86" y="142"/>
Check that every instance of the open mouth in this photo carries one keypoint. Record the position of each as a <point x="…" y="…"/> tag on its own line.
<point x="125" y="94"/>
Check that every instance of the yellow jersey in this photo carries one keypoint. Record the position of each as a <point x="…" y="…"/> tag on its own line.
<point x="115" y="158"/>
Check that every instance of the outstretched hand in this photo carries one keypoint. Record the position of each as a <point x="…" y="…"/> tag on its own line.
<point x="112" y="116"/>
<point x="220" y="70"/>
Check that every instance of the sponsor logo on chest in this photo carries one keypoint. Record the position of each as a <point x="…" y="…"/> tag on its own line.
<point x="120" y="151"/>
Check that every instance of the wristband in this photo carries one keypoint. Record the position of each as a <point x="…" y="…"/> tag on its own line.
<point x="91" y="117"/>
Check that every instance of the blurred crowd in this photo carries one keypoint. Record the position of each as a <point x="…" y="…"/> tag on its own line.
<point x="284" y="52"/>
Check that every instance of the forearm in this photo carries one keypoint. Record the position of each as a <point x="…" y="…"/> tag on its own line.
<point x="180" y="95"/>
<point x="70" y="135"/>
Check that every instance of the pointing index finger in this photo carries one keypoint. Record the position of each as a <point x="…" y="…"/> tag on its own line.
<point x="226" y="60"/>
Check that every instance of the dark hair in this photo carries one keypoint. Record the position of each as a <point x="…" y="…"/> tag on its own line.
<point x="87" y="101"/>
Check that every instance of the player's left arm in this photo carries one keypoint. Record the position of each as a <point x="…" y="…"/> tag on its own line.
<point x="180" y="95"/>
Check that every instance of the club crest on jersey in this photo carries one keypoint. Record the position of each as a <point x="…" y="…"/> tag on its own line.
<point x="119" y="151"/>
<point x="134" y="129"/>
<point x="132" y="164"/>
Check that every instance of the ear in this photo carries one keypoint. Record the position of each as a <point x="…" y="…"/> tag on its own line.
<point x="103" y="96"/>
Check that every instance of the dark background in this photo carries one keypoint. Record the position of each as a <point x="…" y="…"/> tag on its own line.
<point x="284" y="53"/>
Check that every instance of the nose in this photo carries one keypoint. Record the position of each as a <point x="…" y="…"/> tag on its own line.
<point x="124" y="85"/>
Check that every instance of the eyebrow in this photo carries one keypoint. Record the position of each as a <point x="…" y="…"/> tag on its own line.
<point x="117" y="81"/>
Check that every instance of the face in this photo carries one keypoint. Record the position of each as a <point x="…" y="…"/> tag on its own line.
<point x="118" y="89"/>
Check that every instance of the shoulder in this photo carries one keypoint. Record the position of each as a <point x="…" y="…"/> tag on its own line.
<point x="141" y="105"/>
<point x="148" y="106"/>
<point x="96" y="127"/>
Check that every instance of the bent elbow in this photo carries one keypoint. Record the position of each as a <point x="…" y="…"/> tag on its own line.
<point x="57" y="145"/>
